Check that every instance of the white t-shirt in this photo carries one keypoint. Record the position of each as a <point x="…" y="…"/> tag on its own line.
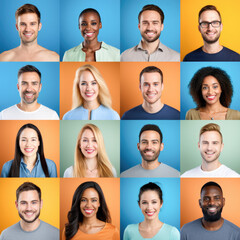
<point x="222" y="171"/>
<point x="15" y="113"/>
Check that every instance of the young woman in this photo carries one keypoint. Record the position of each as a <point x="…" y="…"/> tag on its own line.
<point x="91" y="99"/>
<point x="150" y="202"/>
<point x="29" y="159"/>
<point x="90" y="158"/>
<point x="89" y="217"/>
<point x="212" y="91"/>
<point x="91" y="50"/>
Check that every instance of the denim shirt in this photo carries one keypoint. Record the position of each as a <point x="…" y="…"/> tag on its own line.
<point x="37" y="171"/>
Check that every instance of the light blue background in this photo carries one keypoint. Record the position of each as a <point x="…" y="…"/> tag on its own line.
<point x="189" y="69"/>
<point x="48" y="36"/>
<point x="49" y="94"/>
<point x="130" y="155"/>
<point x="70" y="34"/>
<point x="130" y="34"/>
<point x="130" y="211"/>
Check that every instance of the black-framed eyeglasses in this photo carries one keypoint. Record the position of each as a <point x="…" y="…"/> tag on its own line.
<point x="214" y="24"/>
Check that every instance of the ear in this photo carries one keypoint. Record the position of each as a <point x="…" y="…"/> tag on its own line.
<point x="139" y="26"/>
<point x="100" y="25"/>
<point x="222" y="146"/>
<point x="16" y="26"/>
<point x="223" y="202"/>
<point x="162" y="27"/>
<point x="138" y="146"/>
<point x="199" y="28"/>
<point x="199" y="202"/>
<point x="16" y="204"/>
<point x="40" y="87"/>
<point x="41" y="204"/>
<point x="162" y="86"/>
<point x="18" y="86"/>
<point x="39" y="26"/>
<point x="199" y="145"/>
<point x="162" y="147"/>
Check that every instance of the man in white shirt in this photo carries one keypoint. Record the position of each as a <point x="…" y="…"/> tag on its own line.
<point x="29" y="85"/>
<point x="210" y="145"/>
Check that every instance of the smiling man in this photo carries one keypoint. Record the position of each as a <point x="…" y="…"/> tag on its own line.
<point x="151" y="86"/>
<point x="150" y="145"/>
<point x="150" y="49"/>
<point x="210" y="145"/>
<point x="210" y="26"/>
<point x="29" y="86"/>
<point x="28" y="25"/>
<point x="29" y="205"/>
<point x="212" y="226"/>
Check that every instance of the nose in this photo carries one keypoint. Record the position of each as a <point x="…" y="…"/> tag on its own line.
<point x="210" y="27"/>
<point x="149" y="26"/>
<point x="210" y="90"/>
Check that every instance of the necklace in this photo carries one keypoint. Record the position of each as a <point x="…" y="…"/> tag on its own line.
<point x="92" y="169"/>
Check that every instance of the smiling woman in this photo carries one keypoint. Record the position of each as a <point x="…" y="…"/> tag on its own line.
<point x="29" y="159"/>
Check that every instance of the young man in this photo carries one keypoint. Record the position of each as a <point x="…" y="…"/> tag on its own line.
<point x="29" y="205"/>
<point x="29" y="85"/>
<point x="28" y="25"/>
<point x="151" y="86"/>
<point x="212" y="226"/>
<point x="210" y="145"/>
<point x="150" y="145"/>
<point x="150" y="49"/>
<point x="210" y="27"/>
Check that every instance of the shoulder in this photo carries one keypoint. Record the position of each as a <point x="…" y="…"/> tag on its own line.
<point x="6" y="168"/>
<point x="51" y="114"/>
<point x="11" y="231"/>
<point x="172" y="231"/>
<point x="192" y="114"/>
<point x="8" y="55"/>
<point x="191" y="226"/>
<point x="8" y="110"/>
<point x="128" y="55"/>
<point x="231" y="52"/>
<point x="50" y="55"/>
<point x="114" y="172"/>
<point x="231" y="226"/>
<point x="131" y="171"/>
<point x="50" y="163"/>
<point x="131" y="228"/>
<point x="191" y="56"/>
<point x="73" y="114"/>
<point x="169" y="171"/>
<point x="192" y="172"/>
<point x="172" y="55"/>
<point x="233" y="114"/>
<point x="110" y="48"/>
<point x="109" y="113"/>
<point x="169" y="112"/>
<point x="68" y="172"/>
<point x="49" y="228"/>
<point x="133" y="113"/>
<point x="72" y="53"/>
<point x="228" y="172"/>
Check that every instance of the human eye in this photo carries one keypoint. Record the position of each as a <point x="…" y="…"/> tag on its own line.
<point x="144" y="142"/>
<point x="83" y="24"/>
<point x="156" y="84"/>
<point x="204" y="24"/>
<point x="83" y="83"/>
<point x="94" y="83"/>
<point x="22" y="24"/>
<point x="204" y="88"/>
<point x="155" y="22"/>
<point x="144" y="202"/>
<point x="35" y="83"/>
<point x="155" y="142"/>
<point x="215" y="23"/>
<point x="83" y="200"/>
<point x="206" y="199"/>
<point x="94" y="23"/>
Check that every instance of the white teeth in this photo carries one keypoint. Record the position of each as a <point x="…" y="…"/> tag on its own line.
<point x="88" y="211"/>
<point x="150" y="213"/>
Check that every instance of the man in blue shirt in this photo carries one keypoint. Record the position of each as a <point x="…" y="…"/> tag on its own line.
<point x="210" y="27"/>
<point x="151" y="86"/>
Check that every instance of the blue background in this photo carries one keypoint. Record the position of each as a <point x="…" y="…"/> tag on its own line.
<point x="49" y="94"/>
<point x="130" y="155"/>
<point x="189" y="69"/>
<point x="130" y="34"/>
<point x="70" y="34"/>
<point x="130" y="211"/>
<point x="48" y="36"/>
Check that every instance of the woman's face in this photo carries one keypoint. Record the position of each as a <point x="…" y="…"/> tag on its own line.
<point x="89" y="25"/>
<point x="88" y="87"/>
<point x="29" y="142"/>
<point x="88" y="144"/>
<point x="211" y="90"/>
<point x="89" y="203"/>
<point x="150" y="204"/>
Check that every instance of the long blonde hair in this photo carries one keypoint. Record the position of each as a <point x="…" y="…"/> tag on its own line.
<point x="104" y="96"/>
<point x="103" y="164"/>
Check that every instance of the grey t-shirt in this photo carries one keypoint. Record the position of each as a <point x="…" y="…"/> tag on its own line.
<point x="195" y="231"/>
<point x="44" y="231"/>
<point x="162" y="170"/>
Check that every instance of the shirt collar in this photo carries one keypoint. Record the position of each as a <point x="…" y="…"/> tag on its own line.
<point x="38" y="159"/>
<point x="103" y="45"/>
<point x="140" y="47"/>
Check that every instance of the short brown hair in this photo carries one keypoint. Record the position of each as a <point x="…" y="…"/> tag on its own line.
<point x="211" y="127"/>
<point x="151" y="69"/>
<point x="28" y="8"/>
<point x="28" y="186"/>
<point x="209" y="8"/>
<point x="151" y="7"/>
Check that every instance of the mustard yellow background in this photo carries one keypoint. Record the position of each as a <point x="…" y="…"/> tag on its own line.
<point x="191" y="38"/>
<point x="190" y="194"/>
<point x="50" y="196"/>
<point x="111" y="191"/>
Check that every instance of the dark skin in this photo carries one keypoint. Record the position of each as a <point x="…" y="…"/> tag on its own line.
<point x="212" y="200"/>
<point x="89" y="25"/>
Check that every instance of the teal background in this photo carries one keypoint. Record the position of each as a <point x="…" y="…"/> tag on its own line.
<point x="190" y="154"/>
<point x="68" y="136"/>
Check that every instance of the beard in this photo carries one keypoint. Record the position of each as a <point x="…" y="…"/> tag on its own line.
<point x="209" y="161"/>
<point x="210" y="41"/>
<point x="149" y="158"/>
<point x="29" y="221"/>
<point x="30" y="101"/>
<point x="211" y="217"/>
<point x="150" y="40"/>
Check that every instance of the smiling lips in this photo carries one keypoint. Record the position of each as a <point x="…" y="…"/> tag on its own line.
<point x="90" y="151"/>
<point x="150" y="213"/>
<point x="89" y="34"/>
<point x="88" y="211"/>
<point x="211" y="97"/>
<point x="28" y="150"/>
<point x="89" y="94"/>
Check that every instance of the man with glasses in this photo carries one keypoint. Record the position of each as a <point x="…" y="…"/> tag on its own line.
<point x="210" y="27"/>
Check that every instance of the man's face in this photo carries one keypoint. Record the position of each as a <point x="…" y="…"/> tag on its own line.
<point x="150" y="145"/>
<point x="28" y="27"/>
<point x="210" y="34"/>
<point x="212" y="203"/>
<point x="29" y="87"/>
<point x="151" y="87"/>
<point x="28" y="206"/>
<point x="210" y="145"/>
<point x="150" y="25"/>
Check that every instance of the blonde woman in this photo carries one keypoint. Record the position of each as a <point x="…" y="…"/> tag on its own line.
<point x="90" y="158"/>
<point x="91" y="99"/>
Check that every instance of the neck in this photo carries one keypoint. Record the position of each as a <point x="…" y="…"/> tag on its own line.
<point x="151" y="223"/>
<point x="214" y="108"/>
<point x="28" y="107"/>
<point x="212" y="47"/>
<point x="91" y="163"/>
<point x="29" y="47"/>
<point x="149" y="165"/>
<point x="212" y="226"/>
<point x="91" y="105"/>
<point x="152" y="107"/>
<point x="30" y="160"/>
<point x="210" y="166"/>
<point x="90" y="221"/>
<point x="28" y="227"/>
<point x="150" y="46"/>
<point x="93" y="45"/>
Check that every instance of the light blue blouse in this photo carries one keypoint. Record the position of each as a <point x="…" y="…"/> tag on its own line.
<point x="101" y="113"/>
<point x="37" y="171"/>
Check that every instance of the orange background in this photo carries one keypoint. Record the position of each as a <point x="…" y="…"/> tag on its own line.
<point x="111" y="191"/>
<point x="131" y="96"/>
<point x="50" y="197"/>
<point x="190" y="194"/>
<point x="191" y="38"/>
<point x="49" y="131"/>
<point x="111" y="75"/>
